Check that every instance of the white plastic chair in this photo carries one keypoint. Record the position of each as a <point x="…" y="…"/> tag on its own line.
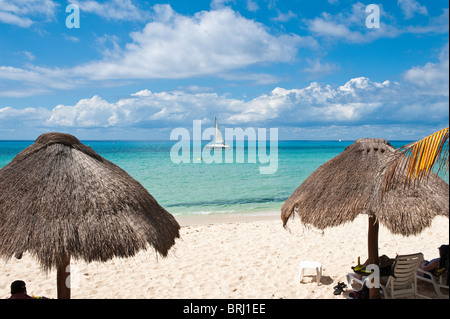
<point x="352" y="277"/>
<point x="403" y="282"/>
<point x="433" y="280"/>
<point x="310" y="265"/>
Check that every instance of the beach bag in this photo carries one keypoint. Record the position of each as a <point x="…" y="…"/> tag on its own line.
<point x="360" y="294"/>
<point x="386" y="266"/>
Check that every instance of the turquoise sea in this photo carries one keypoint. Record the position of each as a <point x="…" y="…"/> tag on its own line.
<point x="217" y="188"/>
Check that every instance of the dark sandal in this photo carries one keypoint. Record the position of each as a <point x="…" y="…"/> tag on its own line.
<point x="339" y="288"/>
<point x="338" y="291"/>
<point x="340" y="285"/>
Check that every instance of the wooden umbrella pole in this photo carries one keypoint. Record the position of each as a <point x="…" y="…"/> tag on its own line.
<point x="62" y="278"/>
<point x="374" y="293"/>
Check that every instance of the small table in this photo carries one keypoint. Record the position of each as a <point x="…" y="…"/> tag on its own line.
<point x="310" y="265"/>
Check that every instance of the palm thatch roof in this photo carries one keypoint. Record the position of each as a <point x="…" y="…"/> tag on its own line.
<point x="60" y="198"/>
<point x="351" y="184"/>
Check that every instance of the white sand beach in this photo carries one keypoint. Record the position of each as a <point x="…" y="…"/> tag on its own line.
<point x="252" y="257"/>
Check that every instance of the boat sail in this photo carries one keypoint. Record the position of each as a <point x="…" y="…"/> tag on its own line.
<point x="218" y="142"/>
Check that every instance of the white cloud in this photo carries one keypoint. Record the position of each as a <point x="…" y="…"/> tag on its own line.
<point x="20" y="93"/>
<point x="411" y="7"/>
<point x="39" y="77"/>
<point x="12" y="119"/>
<point x="362" y="84"/>
<point x="252" y="5"/>
<point x="219" y="4"/>
<point x="30" y="56"/>
<point x="28" y="113"/>
<point x="25" y="7"/>
<point x="360" y="106"/>
<point x="331" y="29"/>
<point x="112" y="10"/>
<point x="208" y="43"/>
<point x="317" y="69"/>
<point x="284" y="17"/>
<point x="349" y="25"/>
<point x="33" y="80"/>
<point x="94" y="112"/>
<point x="9" y="18"/>
<point x="18" y="12"/>
<point x="432" y="78"/>
<point x="315" y="104"/>
<point x="141" y="108"/>
<point x="71" y="38"/>
<point x="211" y="43"/>
<point x="18" y="74"/>
<point x="437" y="25"/>
<point x="347" y="132"/>
<point x="256" y="78"/>
<point x="360" y="101"/>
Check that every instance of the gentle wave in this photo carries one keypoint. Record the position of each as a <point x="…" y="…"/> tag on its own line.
<point x="228" y="202"/>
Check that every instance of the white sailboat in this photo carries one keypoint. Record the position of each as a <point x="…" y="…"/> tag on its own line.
<point x="218" y="142"/>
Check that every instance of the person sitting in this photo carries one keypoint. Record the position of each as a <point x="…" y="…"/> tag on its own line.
<point x="430" y="266"/>
<point x="435" y="264"/>
<point x="19" y="290"/>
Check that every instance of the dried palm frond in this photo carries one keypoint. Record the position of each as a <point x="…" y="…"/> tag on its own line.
<point x="415" y="161"/>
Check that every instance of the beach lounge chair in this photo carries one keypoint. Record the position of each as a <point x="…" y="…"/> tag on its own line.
<point x="437" y="280"/>
<point x="403" y="282"/>
<point x="385" y="266"/>
<point x="353" y="277"/>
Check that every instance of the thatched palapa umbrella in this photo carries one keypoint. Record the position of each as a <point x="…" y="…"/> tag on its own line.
<point x="351" y="184"/>
<point x="60" y="199"/>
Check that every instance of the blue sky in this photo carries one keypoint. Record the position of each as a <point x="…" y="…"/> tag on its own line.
<point x="139" y="69"/>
